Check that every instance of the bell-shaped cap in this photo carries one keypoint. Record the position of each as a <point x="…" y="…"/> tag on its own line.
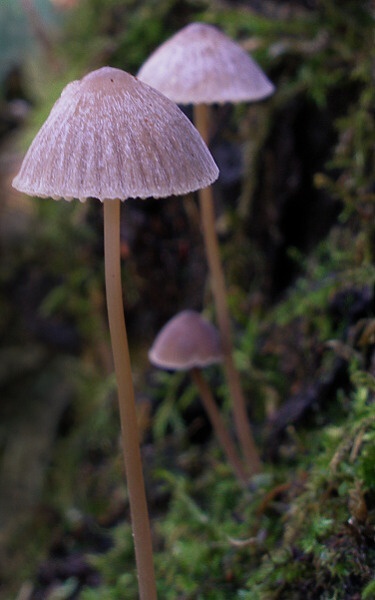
<point x="185" y="342"/>
<point x="201" y="65"/>
<point x="111" y="136"/>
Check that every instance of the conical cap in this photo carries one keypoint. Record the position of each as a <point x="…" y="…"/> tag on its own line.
<point x="186" y="341"/>
<point x="201" y="65"/>
<point x="111" y="136"/>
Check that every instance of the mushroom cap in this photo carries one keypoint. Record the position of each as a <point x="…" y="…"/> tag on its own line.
<point x="111" y="136"/>
<point x="185" y="342"/>
<point x="201" y="65"/>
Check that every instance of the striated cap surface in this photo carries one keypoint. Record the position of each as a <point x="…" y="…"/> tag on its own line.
<point x="201" y="65"/>
<point x="185" y="342"/>
<point x="111" y="136"/>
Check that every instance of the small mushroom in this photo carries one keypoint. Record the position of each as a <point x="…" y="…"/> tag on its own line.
<point x="200" y="65"/>
<point x="111" y="137"/>
<point x="189" y="343"/>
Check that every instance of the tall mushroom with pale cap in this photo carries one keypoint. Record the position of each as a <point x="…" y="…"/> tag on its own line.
<point x="112" y="137"/>
<point x="188" y="342"/>
<point x="200" y="65"/>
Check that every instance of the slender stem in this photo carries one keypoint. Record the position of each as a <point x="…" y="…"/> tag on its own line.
<point x="128" y="416"/>
<point x="249" y="450"/>
<point x="218" y="425"/>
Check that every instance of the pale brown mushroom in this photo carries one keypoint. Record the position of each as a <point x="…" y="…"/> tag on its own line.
<point x="200" y="65"/>
<point x="112" y="137"/>
<point x="188" y="342"/>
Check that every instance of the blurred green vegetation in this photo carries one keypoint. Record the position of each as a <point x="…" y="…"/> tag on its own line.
<point x="16" y="35"/>
<point x="305" y="527"/>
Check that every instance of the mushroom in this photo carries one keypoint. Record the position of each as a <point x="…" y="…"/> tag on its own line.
<point x="189" y="343"/>
<point x="200" y="65"/>
<point x="111" y="137"/>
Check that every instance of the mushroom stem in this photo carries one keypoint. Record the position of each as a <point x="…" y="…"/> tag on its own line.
<point x="218" y="425"/>
<point x="128" y="416"/>
<point x="249" y="450"/>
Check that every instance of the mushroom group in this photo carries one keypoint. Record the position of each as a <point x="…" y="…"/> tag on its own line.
<point x="111" y="137"/>
<point x="202" y="66"/>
